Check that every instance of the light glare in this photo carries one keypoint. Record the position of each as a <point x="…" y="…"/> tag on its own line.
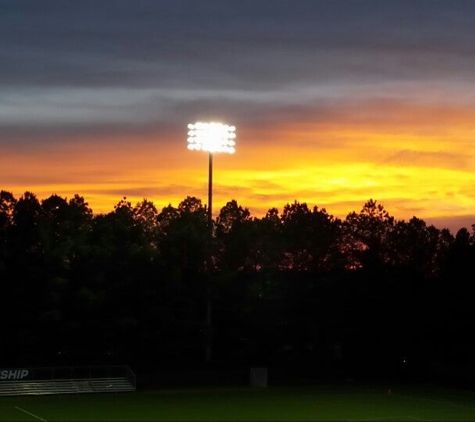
<point x="212" y="137"/>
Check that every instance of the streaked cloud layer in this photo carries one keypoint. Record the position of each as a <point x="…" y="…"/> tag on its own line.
<point x="335" y="102"/>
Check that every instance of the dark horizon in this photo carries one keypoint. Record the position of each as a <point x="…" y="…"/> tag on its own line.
<point x="369" y="296"/>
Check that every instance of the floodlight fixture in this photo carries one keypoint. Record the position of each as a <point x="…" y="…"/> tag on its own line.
<point x="212" y="137"/>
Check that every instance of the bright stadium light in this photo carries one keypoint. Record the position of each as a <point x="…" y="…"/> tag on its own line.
<point x="211" y="137"/>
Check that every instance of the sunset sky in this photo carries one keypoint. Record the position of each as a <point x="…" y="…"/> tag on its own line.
<point x="335" y="103"/>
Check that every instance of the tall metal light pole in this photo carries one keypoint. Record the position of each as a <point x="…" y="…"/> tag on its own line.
<point x="211" y="137"/>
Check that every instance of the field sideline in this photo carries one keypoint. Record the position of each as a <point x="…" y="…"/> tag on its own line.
<point x="332" y="402"/>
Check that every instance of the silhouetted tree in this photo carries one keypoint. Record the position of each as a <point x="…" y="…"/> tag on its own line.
<point x="26" y="274"/>
<point x="455" y="314"/>
<point x="8" y="316"/>
<point x="184" y="252"/>
<point x="65" y="229"/>
<point x="365" y="236"/>
<point x="7" y="206"/>
<point x="310" y="238"/>
<point x="25" y="226"/>
<point x="183" y="238"/>
<point x="235" y="234"/>
<point x="145" y="214"/>
<point x="269" y="241"/>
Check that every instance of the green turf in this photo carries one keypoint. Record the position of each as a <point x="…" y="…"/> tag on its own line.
<point x="309" y="403"/>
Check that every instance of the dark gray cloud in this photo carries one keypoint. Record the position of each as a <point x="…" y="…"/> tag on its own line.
<point x="130" y="65"/>
<point x="438" y="159"/>
<point x="223" y="43"/>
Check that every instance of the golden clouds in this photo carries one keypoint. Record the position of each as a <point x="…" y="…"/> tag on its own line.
<point x="415" y="160"/>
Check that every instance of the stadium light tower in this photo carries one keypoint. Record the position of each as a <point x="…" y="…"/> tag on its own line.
<point x="212" y="137"/>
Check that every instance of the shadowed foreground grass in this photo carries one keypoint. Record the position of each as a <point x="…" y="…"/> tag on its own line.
<point x="346" y="402"/>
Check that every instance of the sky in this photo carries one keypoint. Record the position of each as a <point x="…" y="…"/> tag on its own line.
<point x="334" y="102"/>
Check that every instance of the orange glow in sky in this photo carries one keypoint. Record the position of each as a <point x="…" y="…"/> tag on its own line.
<point x="337" y="164"/>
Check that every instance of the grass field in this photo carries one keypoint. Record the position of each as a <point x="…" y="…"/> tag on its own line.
<point x="331" y="402"/>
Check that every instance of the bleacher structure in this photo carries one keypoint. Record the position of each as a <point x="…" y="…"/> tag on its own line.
<point x="70" y="380"/>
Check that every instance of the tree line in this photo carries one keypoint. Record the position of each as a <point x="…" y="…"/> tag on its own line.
<point x="138" y="285"/>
